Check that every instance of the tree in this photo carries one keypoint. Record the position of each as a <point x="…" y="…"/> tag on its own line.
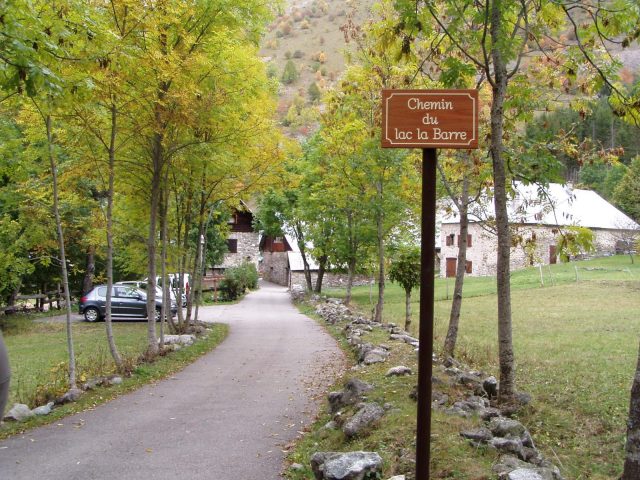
<point x="627" y="193"/>
<point x="290" y="73"/>
<point x="505" y="42"/>
<point x="574" y="241"/>
<point x="632" y="446"/>
<point x="405" y="270"/>
<point x="462" y="172"/>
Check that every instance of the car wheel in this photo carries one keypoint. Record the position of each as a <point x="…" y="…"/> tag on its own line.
<point x="91" y="314"/>
<point x="158" y="313"/>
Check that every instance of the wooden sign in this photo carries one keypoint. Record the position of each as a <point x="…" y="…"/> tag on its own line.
<point x="430" y="119"/>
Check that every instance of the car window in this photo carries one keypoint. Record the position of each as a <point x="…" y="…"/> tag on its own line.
<point x="102" y="291"/>
<point x="126" y="291"/>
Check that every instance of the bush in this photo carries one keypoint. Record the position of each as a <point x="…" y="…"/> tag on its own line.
<point x="237" y="280"/>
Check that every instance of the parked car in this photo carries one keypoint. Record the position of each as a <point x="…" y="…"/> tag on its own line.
<point x="142" y="285"/>
<point x="126" y="301"/>
<point x="174" y="283"/>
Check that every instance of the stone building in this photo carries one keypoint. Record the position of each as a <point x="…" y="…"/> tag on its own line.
<point x="242" y="242"/>
<point x="537" y="222"/>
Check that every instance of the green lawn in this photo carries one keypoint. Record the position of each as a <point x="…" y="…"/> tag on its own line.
<point x="39" y="362"/>
<point x="576" y="346"/>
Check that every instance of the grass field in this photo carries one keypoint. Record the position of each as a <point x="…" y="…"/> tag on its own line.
<point x="39" y="362"/>
<point x="576" y="346"/>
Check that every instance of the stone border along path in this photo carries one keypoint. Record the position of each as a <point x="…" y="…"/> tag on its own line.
<point x="228" y="416"/>
<point x="519" y="459"/>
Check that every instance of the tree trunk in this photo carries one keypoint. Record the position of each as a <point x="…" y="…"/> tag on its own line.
<point x="456" y="304"/>
<point x="407" y="318"/>
<point x="632" y="447"/>
<point x="303" y="254"/>
<point x="154" y="204"/>
<point x="63" y="258"/>
<point x="505" y="342"/>
<point x="165" y="311"/>
<point x="380" y="304"/>
<point x="107" y="320"/>
<point x="352" y="272"/>
<point x="87" y="282"/>
<point x="322" y="265"/>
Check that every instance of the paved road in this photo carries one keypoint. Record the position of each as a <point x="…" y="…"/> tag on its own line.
<point x="225" y="417"/>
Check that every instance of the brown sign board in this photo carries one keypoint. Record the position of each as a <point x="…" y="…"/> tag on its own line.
<point x="430" y="119"/>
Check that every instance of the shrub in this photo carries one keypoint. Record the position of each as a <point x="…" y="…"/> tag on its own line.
<point x="290" y="73"/>
<point x="237" y="280"/>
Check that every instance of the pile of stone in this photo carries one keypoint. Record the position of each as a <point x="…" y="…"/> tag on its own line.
<point x="21" y="412"/>
<point x="519" y="460"/>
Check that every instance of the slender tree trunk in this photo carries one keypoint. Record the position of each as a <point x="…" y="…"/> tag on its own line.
<point x="193" y="290"/>
<point x="632" y="447"/>
<point x="303" y="253"/>
<point x="107" y="321"/>
<point x="63" y="258"/>
<point x="505" y="342"/>
<point x="352" y="271"/>
<point x="407" y="318"/>
<point x="322" y="265"/>
<point x="456" y="304"/>
<point x="156" y="178"/>
<point x="165" y="311"/>
<point x="381" y="285"/>
<point x="87" y="282"/>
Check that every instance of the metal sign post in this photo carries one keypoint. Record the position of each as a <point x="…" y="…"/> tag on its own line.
<point x="428" y="119"/>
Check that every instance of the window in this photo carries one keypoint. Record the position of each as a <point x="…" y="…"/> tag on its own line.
<point x="469" y="267"/>
<point x="232" y="245"/>
<point x="449" y="240"/>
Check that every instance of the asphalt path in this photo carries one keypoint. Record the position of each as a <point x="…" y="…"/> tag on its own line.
<point x="228" y="416"/>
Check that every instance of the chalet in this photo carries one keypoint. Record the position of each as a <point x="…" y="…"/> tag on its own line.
<point x="537" y="220"/>
<point x="242" y="242"/>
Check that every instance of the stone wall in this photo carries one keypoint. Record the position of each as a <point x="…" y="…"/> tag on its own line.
<point x="535" y="247"/>
<point x="330" y="280"/>
<point x="274" y="267"/>
<point x="248" y="250"/>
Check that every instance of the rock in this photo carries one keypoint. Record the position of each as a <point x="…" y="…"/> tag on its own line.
<point x="364" y="418"/>
<point x="469" y="380"/>
<point x="490" y="386"/>
<point x="353" y="391"/>
<point x="522" y="474"/>
<point x="179" y="339"/>
<point x="376" y="355"/>
<point x="71" y="396"/>
<point x="479" y="435"/>
<point x="43" y="410"/>
<point x="506" y="427"/>
<point x="438" y="398"/>
<point x="398" y="477"/>
<point x="507" y="445"/>
<point x="331" y="425"/>
<point x="296" y="467"/>
<point x="489" y="413"/>
<point x="507" y="463"/>
<point x="403" y="337"/>
<point x="116" y="380"/>
<point x="398" y="371"/>
<point x="345" y="466"/>
<point x="92" y="383"/>
<point x="18" y="413"/>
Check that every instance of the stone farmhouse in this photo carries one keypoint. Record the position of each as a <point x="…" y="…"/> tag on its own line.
<point x="282" y="261"/>
<point x="242" y="242"/>
<point x="538" y="218"/>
